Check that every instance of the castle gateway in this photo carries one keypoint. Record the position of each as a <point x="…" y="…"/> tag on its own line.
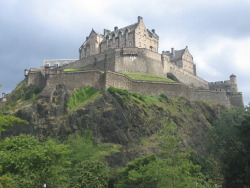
<point x="128" y="58"/>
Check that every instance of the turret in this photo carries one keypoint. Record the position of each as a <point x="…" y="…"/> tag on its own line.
<point x="26" y="72"/>
<point x="234" y="87"/>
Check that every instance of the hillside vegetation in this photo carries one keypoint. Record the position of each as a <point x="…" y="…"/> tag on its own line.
<point x="115" y="138"/>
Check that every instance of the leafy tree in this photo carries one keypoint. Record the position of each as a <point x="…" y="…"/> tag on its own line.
<point x="87" y="170"/>
<point x="230" y="144"/>
<point x="171" y="167"/>
<point x="31" y="163"/>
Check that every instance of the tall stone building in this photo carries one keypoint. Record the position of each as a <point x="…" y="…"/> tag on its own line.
<point x="135" y="35"/>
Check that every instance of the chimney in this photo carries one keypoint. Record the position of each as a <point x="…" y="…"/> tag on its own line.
<point x="172" y="51"/>
<point x="87" y="38"/>
<point x="115" y="28"/>
<point x="153" y="31"/>
<point x="139" y="19"/>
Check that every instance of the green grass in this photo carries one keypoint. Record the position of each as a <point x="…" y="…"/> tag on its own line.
<point x="69" y="70"/>
<point x="80" y="98"/>
<point x="147" y="77"/>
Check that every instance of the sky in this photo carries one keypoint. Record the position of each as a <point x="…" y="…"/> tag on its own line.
<point x="217" y="33"/>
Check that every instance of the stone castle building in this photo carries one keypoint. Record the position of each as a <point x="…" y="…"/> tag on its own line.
<point x="103" y="58"/>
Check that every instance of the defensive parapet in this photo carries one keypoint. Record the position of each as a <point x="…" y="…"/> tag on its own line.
<point x="230" y="88"/>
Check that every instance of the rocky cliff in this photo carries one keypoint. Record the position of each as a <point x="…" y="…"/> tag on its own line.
<point x="114" y="116"/>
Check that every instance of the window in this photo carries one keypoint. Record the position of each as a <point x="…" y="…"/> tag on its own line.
<point x="144" y="45"/>
<point x="130" y="44"/>
<point x="120" y="38"/>
<point x="47" y="65"/>
<point x="139" y="44"/>
<point x="126" y="35"/>
<point x="139" y="35"/>
<point x="144" y="37"/>
<point x="107" y="41"/>
<point x="113" y="39"/>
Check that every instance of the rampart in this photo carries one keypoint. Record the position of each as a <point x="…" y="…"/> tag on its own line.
<point x="187" y="78"/>
<point x="102" y="80"/>
<point x="122" y="60"/>
<point x="170" y="89"/>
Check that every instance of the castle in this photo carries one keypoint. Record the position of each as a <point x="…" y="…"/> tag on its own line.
<point x="105" y="58"/>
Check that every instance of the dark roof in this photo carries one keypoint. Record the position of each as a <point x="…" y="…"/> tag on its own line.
<point x="177" y="54"/>
<point x="130" y="28"/>
<point x="152" y="33"/>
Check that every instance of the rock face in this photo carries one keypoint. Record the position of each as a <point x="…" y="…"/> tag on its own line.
<point x="120" y="118"/>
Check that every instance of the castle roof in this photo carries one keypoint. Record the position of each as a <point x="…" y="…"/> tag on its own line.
<point x="57" y="62"/>
<point x="177" y="54"/>
<point x="123" y="30"/>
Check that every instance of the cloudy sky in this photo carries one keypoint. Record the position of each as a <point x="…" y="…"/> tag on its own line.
<point x="217" y="32"/>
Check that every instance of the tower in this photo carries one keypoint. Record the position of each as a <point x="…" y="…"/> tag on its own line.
<point x="233" y="85"/>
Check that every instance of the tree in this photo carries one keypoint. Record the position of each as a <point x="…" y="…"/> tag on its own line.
<point x="87" y="170"/>
<point x="230" y="144"/>
<point x="170" y="167"/>
<point x="31" y="163"/>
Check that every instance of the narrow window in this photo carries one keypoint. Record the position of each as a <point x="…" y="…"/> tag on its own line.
<point x="113" y="39"/>
<point x="130" y="44"/>
<point x="126" y="35"/>
<point x="139" y="44"/>
<point x="144" y="45"/>
<point x="144" y="37"/>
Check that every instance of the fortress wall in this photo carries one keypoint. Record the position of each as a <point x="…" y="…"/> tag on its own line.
<point x="138" y="60"/>
<point x="36" y="78"/>
<point x="187" y="78"/>
<point x="73" y="80"/>
<point x="236" y="99"/>
<point x="97" y="61"/>
<point x="171" y="90"/>
<point x="122" y="60"/>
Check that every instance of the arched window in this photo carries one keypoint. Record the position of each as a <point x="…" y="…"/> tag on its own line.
<point x="144" y="37"/>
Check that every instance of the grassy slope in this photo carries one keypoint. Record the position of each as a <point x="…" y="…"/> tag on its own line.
<point x="147" y="77"/>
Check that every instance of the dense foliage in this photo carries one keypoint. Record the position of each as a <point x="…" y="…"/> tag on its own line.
<point x="230" y="144"/>
<point x="28" y="162"/>
<point x="170" y="167"/>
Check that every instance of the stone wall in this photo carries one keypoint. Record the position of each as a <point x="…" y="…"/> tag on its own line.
<point x="122" y="60"/>
<point x="35" y="77"/>
<point x="171" y="90"/>
<point x="78" y="79"/>
<point x="73" y="80"/>
<point x="138" y="60"/>
<point x="187" y="78"/>
<point x="236" y="99"/>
